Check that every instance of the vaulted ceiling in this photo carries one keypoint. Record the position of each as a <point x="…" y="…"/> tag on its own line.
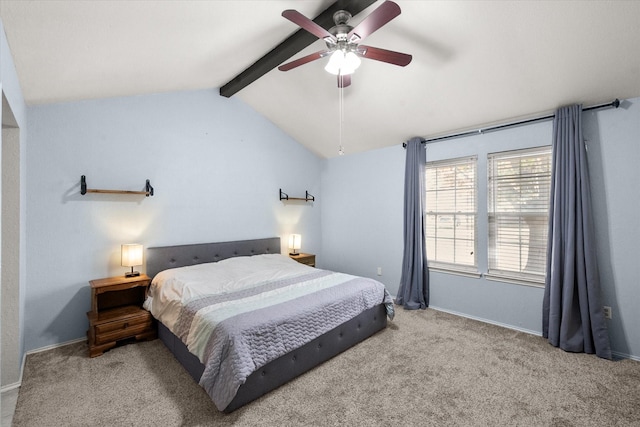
<point x="475" y="63"/>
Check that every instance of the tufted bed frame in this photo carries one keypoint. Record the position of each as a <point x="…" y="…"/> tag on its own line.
<point x="278" y="371"/>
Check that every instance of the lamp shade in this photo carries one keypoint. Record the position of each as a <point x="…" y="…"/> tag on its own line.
<point x="294" y="241"/>
<point x="342" y="63"/>
<point x="335" y="62"/>
<point x="351" y="62"/>
<point x="131" y="255"/>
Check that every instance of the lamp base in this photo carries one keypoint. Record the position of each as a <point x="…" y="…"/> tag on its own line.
<point x="294" y="253"/>
<point x="131" y="274"/>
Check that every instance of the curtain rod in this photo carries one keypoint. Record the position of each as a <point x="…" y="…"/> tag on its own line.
<point x="614" y="104"/>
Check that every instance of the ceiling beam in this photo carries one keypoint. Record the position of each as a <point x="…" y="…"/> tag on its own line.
<point x="291" y="46"/>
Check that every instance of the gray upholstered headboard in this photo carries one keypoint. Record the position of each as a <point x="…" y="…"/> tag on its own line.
<point x="164" y="257"/>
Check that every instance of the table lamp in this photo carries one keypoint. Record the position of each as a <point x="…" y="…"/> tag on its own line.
<point x="131" y="257"/>
<point x="294" y="244"/>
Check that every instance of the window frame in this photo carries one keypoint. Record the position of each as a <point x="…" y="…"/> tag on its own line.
<point x="448" y="267"/>
<point x="506" y="275"/>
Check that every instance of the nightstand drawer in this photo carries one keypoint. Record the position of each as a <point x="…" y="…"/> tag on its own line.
<point x="124" y="330"/>
<point x="116" y="324"/>
<point x="123" y="324"/>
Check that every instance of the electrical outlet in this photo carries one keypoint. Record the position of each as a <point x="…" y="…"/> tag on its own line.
<point x="379" y="271"/>
<point x="607" y="312"/>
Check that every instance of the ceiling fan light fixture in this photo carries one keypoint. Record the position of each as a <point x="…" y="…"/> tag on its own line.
<point x="351" y="63"/>
<point x="341" y="63"/>
<point x="335" y="62"/>
<point x="342" y="41"/>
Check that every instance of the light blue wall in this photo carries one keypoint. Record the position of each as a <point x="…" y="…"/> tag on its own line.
<point x="613" y="143"/>
<point x="216" y="166"/>
<point x="361" y="233"/>
<point x="362" y="214"/>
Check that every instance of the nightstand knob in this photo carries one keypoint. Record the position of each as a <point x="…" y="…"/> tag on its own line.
<point x="125" y="326"/>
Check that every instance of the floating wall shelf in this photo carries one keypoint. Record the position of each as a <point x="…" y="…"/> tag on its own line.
<point x="84" y="190"/>
<point x="307" y="197"/>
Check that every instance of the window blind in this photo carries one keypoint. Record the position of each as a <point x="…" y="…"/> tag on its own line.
<point x="518" y="206"/>
<point x="450" y="213"/>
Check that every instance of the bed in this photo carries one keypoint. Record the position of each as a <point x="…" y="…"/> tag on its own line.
<point x="273" y="337"/>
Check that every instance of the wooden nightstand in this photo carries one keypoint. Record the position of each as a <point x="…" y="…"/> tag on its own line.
<point x="306" y="259"/>
<point x="117" y="314"/>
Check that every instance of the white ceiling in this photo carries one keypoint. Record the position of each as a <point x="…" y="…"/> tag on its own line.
<point x="474" y="62"/>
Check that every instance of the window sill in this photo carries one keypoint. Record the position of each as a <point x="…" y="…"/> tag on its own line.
<point x="464" y="273"/>
<point x="514" y="280"/>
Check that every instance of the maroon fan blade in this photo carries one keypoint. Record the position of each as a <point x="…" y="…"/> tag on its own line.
<point x="301" y="61"/>
<point x="389" y="56"/>
<point x="385" y="13"/>
<point x="344" y="80"/>
<point x="306" y="23"/>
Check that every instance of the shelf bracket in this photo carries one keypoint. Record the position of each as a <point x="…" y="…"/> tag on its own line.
<point x="83" y="185"/>
<point x="84" y="190"/>
<point x="149" y="188"/>
<point x="307" y="197"/>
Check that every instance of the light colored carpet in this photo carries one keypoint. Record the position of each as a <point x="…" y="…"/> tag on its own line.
<point x="426" y="368"/>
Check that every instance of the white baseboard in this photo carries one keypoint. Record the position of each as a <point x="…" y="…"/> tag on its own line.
<point x="492" y="322"/>
<point x="617" y="354"/>
<point x="15" y="385"/>
<point x="11" y="386"/>
<point x="52" y="346"/>
<point x="625" y="356"/>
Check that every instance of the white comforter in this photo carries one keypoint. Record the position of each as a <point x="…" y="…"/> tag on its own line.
<point x="173" y="289"/>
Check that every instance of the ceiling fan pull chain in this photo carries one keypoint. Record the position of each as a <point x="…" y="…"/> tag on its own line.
<point x="340" y="118"/>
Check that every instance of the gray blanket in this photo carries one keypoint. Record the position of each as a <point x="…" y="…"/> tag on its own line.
<point x="243" y="343"/>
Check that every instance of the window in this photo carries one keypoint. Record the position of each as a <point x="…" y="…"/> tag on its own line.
<point x="450" y="214"/>
<point x="518" y="208"/>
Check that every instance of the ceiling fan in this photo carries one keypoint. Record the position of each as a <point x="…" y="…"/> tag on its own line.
<point x="343" y="40"/>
